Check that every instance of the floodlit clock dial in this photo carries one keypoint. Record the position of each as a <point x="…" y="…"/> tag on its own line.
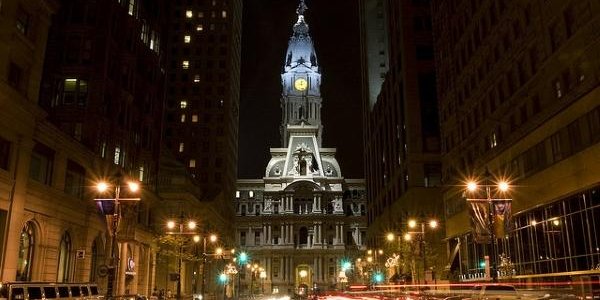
<point x="300" y="84"/>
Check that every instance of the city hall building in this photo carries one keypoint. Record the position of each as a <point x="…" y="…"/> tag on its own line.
<point x="302" y="219"/>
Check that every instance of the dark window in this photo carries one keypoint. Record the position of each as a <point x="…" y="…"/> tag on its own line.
<point x="94" y="290"/>
<point x="243" y="238"/>
<point x="15" y="75"/>
<point x="74" y="179"/>
<point x="40" y="168"/>
<point x="63" y="291"/>
<point x="34" y="292"/>
<point x="424" y="52"/>
<point x="4" y="153"/>
<point x="23" y="21"/>
<point x="49" y="292"/>
<point x="17" y="294"/>
<point x="75" y="291"/>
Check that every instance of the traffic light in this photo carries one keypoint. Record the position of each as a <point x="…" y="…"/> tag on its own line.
<point x="223" y="278"/>
<point x="243" y="258"/>
<point x="346" y="265"/>
<point x="378" y="277"/>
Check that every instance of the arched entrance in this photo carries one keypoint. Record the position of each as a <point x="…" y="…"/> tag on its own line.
<point x="303" y="280"/>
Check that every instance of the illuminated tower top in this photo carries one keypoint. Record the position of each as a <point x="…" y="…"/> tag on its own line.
<point x="301" y="81"/>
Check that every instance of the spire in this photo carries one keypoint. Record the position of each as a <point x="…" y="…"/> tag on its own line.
<point x="300" y="48"/>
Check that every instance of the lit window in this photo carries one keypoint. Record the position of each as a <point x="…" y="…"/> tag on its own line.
<point x="199" y="27"/>
<point x="141" y="173"/>
<point x="194" y="118"/>
<point x="214" y="2"/>
<point x="181" y="147"/>
<point x="251" y="194"/>
<point x="192" y="163"/>
<point x="183" y="104"/>
<point x="200" y="14"/>
<point x="213" y="14"/>
<point x="131" y="11"/>
<point x="493" y="140"/>
<point x="103" y="149"/>
<point x="117" y="156"/>
<point x="183" y="118"/>
<point x="212" y="27"/>
<point x="196" y="78"/>
<point x="185" y="64"/>
<point x="223" y="14"/>
<point x="189" y="14"/>
<point x="187" y="39"/>
<point x="237" y="194"/>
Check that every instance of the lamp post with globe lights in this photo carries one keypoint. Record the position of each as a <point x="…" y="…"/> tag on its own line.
<point x="413" y="224"/>
<point x="212" y="238"/>
<point x="494" y="195"/>
<point x="185" y="228"/>
<point x="109" y="203"/>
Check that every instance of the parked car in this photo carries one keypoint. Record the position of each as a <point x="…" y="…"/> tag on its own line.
<point x="49" y="290"/>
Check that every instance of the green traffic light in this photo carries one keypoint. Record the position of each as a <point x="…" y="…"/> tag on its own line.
<point x="223" y="278"/>
<point x="482" y="264"/>
<point x="346" y="265"/>
<point x="243" y="257"/>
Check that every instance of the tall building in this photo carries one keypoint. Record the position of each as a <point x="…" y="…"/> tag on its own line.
<point x="401" y="130"/>
<point x="303" y="219"/>
<point x="519" y="87"/>
<point x="202" y="112"/>
<point x="102" y="87"/>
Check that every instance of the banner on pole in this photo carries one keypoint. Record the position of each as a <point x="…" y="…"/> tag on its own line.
<point x="480" y="220"/>
<point x="502" y="217"/>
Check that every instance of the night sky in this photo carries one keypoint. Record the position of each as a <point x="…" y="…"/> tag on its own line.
<point x="267" y="26"/>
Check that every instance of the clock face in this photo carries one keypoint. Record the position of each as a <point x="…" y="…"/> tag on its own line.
<point x="300" y="84"/>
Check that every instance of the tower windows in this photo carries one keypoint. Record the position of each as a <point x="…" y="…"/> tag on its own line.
<point x="200" y="27"/>
<point x="187" y="39"/>
<point x="183" y="104"/>
<point x="189" y="14"/>
<point x="192" y="163"/>
<point x="181" y="147"/>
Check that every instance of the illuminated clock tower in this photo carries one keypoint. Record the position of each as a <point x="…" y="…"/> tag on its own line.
<point x="301" y="81"/>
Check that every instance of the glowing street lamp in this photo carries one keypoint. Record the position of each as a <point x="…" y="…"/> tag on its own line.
<point x="500" y="187"/>
<point x="103" y="187"/>
<point x="433" y="224"/>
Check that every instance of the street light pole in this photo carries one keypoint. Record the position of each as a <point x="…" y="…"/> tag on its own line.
<point x="192" y="227"/>
<point x="113" y="224"/>
<point x="213" y="238"/>
<point x="412" y="224"/>
<point x="501" y="186"/>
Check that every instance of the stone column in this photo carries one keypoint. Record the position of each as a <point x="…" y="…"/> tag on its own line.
<point x="282" y="234"/>
<point x="19" y="161"/>
<point x="120" y="276"/>
<point x="342" y="233"/>
<point x="136" y="279"/>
